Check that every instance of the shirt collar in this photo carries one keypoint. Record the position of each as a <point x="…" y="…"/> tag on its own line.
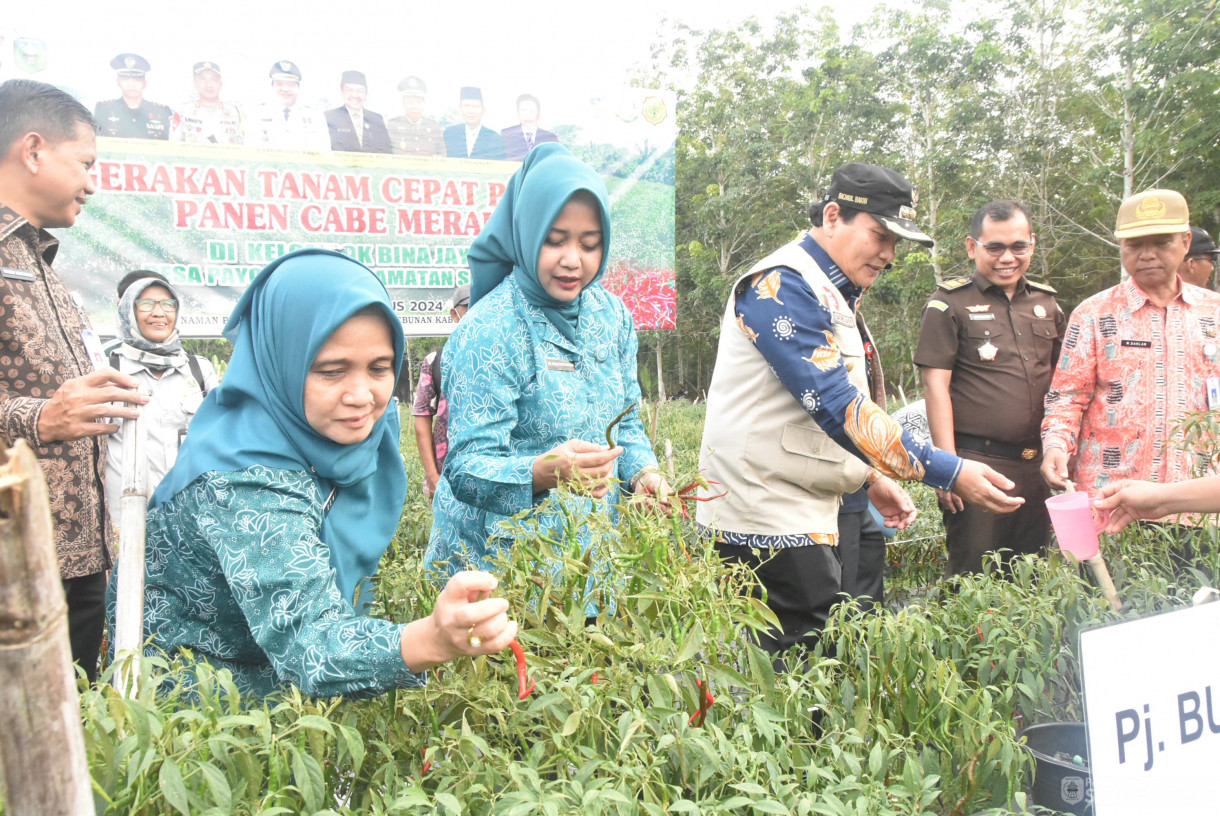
<point x="984" y="285"/>
<point x="44" y="242"/>
<point x="851" y="292"/>
<point x="1136" y="297"/>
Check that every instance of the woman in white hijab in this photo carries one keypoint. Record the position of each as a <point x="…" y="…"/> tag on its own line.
<point x="151" y="352"/>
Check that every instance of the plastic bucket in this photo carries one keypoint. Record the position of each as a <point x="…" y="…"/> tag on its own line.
<point x="1060" y="783"/>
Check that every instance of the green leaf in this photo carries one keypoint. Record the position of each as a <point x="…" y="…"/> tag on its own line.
<point x="218" y="785"/>
<point x="691" y="645"/>
<point x="449" y="803"/>
<point x="169" y="779"/>
<point x="313" y="721"/>
<point x="307" y="774"/>
<point x="571" y="724"/>
<point x="770" y="806"/>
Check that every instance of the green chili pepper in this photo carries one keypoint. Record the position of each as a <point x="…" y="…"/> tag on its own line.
<point x="615" y="421"/>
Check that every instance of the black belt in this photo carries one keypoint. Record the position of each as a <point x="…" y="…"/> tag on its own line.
<point x="992" y="448"/>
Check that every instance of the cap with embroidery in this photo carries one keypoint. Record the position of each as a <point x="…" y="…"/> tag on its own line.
<point x="200" y="67"/>
<point x="1152" y="212"/>
<point x="880" y="192"/>
<point x="286" y="70"/>
<point x="413" y="86"/>
<point x="130" y="65"/>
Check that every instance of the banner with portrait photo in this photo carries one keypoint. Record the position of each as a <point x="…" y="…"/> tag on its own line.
<point x="400" y="170"/>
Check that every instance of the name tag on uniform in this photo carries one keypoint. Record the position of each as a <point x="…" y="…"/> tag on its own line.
<point x="1137" y="343"/>
<point x="559" y="364"/>
<point x="981" y="317"/>
<point x="845" y="319"/>
<point x="17" y="274"/>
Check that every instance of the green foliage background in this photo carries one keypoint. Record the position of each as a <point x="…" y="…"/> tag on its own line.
<point x="1065" y="105"/>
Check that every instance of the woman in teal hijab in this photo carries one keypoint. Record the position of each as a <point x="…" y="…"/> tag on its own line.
<point x="544" y="360"/>
<point x="286" y="493"/>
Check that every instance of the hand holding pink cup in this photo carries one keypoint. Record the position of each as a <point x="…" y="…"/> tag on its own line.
<point x="1077" y="523"/>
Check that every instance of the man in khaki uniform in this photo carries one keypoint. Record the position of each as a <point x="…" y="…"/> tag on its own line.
<point x="987" y="350"/>
<point x="414" y="134"/>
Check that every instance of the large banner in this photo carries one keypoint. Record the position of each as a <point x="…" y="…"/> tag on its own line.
<point x="209" y="217"/>
<point x="401" y="171"/>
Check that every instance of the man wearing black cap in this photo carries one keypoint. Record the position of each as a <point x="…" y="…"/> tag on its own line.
<point x="132" y="116"/>
<point x="352" y="128"/>
<point x="471" y="140"/>
<point x="1200" y="260"/>
<point x="208" y="120"/>
<point x="414" y="134"/>
<point x="987" y="350"/>
<point x="789" y="427"/>
<point x="284" y="122"/>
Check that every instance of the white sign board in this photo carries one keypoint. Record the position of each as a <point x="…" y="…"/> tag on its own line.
<point x="1152" y="709"/>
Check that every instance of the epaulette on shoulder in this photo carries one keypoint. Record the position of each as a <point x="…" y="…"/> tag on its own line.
<point x="1041" y="287"/>
<point x="956" y="283"/>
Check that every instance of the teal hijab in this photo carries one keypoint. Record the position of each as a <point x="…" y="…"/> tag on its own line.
<point x="256" y="416"/>
<point x="513" y="236"/>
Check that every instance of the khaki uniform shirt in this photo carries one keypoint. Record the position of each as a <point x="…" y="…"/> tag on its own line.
<point x="40" y="348"/>
<point x="422" y="138"/>
<point x="1002" y="354"/>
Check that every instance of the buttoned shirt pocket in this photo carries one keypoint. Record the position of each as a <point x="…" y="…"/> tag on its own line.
<point x="991" y="340"/>
<point x="813" y="461"/>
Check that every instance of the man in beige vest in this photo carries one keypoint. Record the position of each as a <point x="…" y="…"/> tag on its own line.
<point x="789" y="425"/>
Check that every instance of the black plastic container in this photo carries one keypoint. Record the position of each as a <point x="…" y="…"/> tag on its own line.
<point x="1059" y="783"/>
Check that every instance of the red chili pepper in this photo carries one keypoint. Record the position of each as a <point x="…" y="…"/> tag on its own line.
<point x="593" y="679"/>
<point x="427" y="762"/>
<point x="525" y="686"/>
<point x="705" y="705"/>
<point x="688" y="494"/>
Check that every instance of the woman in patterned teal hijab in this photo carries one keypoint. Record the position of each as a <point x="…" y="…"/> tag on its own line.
<point x="257" y="416"/>
<point x="514" y="235"/>
<point x="287" y="492"/>
<point x="536" y="371"/>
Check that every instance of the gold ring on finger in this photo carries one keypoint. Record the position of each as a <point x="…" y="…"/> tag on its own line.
<point x="474" y="640"/>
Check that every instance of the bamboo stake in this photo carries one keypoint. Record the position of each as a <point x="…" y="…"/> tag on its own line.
<point x="129" y="607"/>
<point x="1100" y="572"/>
<point x="42" y="749"/>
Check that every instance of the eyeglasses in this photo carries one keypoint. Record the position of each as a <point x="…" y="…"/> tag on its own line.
<point x="144" y="305"/>
<point x="996" y="249"/>
<point x="1209" y="257"/>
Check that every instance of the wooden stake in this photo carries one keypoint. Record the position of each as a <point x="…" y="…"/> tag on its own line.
<point x="1102" y="574"/>
<point x="42" y="749"/>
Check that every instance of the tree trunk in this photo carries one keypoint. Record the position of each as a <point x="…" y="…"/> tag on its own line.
<point x="660" y="374"/>
<point x="42" y="750"/>
<point x="681" y="386"/>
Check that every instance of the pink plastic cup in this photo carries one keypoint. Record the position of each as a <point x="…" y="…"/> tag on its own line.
<point x="1076" y="523"/>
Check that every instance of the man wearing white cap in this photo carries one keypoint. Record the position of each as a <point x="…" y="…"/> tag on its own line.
<point x="286" y="123"/>
<point x="208" y="120"/>
<point x="1137" y="358"/>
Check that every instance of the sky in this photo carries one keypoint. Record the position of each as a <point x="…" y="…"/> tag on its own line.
<point x="573" y="50"/>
